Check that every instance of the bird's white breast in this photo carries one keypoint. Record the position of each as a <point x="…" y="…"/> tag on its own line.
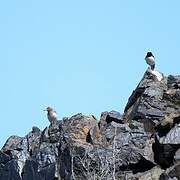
<point x="52" y="116"/>
<point x="150" y="60"/>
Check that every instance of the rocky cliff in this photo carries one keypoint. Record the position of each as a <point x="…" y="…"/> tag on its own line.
<point x="142" y="143"/>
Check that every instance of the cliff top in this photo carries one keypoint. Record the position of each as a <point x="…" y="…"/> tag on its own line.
<point x="142" y="142"/>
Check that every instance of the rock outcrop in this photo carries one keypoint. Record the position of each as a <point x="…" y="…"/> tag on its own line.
<point x="142" y="143"/>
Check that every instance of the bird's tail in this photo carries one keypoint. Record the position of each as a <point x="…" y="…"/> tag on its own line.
<point x="152" y="67"/>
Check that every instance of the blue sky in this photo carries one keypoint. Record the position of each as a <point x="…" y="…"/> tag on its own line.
<point x="79" y="56"/>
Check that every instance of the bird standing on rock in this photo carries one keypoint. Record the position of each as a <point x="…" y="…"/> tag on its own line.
<point x="150" y="60"/>
<point x="52" y="115"/>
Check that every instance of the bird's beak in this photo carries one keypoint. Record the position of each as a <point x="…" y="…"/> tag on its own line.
<point x="45" y="110"/>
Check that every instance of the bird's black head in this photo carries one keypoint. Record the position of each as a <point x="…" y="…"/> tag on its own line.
<point x="149" y="54"/>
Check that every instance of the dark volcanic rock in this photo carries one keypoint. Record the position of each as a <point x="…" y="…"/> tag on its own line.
<point x="10" y="171"/>
<point x="4" y="158"/>
<point x="171" y="173"/>
<point x="146" y="104"/>
<point x="143" y="143"/>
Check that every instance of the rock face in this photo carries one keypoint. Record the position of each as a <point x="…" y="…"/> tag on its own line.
<point x="142" y="143"/>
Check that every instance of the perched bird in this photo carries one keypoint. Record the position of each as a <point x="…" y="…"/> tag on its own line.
<point x="52" y="115"/>
<point x="150" y="60"/>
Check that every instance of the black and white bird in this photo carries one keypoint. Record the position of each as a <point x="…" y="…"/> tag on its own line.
<point x="150" y="60"/>
<point x="51" y="115"/>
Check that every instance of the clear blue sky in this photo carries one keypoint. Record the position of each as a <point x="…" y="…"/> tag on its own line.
<point x="79" y="56"/>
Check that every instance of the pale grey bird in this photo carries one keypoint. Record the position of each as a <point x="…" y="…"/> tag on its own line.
<point x="51" y="115"/>
<point x="150" y="60"/>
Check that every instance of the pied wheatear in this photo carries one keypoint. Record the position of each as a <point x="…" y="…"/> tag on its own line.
<point x="150" y="60"/>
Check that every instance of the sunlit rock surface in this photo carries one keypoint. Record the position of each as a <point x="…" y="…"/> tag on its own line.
<point x="141" y="143"/>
